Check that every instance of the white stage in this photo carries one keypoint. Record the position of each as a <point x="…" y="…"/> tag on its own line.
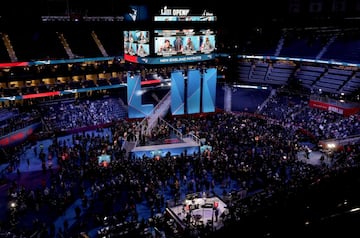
<point x="162" y="149"/>
<point x="199" y="212"/>
<point x="315" y="158"/>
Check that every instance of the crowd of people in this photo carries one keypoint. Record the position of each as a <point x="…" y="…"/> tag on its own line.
<point x="12" y="120"/>
<point x="253" y="159"/>
<point x="65" y="116"/>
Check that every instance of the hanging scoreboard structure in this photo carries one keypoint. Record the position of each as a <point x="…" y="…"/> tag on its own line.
<point x="174" y="36"/>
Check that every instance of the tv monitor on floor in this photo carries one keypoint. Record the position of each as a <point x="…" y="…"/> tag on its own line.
<point x="104" y="160"/>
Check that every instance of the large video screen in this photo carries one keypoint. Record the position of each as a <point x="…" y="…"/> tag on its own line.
<point x="207" y="42"/>
<point x="136" y="43"/>
<point x="167" y="14"/>
<point x="104" y="160"/>
<point x="184" y="18"/>
<point x="134" y="13"/>
<point x="183" y="42"/>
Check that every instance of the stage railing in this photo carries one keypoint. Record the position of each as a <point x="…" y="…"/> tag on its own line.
<point x="194" y="138"/>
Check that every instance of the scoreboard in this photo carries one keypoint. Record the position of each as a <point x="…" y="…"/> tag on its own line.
<point x="174" y="36"/>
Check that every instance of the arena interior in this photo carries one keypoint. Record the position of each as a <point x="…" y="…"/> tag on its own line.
<point x="250" y="127"/>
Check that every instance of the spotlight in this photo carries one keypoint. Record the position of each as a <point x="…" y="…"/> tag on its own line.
<point x="12" y="204"/>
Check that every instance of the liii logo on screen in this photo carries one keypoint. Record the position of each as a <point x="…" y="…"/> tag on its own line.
<point x="165" y="11"/>
<point x="190" y="92"/>
<point x="193" y="92"/>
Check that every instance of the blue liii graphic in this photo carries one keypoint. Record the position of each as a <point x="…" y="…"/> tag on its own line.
<point x="200" y="91"/>
<point x="209" y="90"/>
<point x="134" y="92"/>
<point x="193" y="91"/>
<point x="177" y="93"/>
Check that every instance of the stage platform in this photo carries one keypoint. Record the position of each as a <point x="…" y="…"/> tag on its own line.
<point x="172" y="146"/>
<point x="316" y="158"/>
<point x="199" y="212"/>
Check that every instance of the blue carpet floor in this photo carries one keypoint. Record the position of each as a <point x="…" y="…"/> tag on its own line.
<point x="30" y="174"/>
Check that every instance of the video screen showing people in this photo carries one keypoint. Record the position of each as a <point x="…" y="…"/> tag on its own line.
<point x="135" y="49"/>
<point x="135" y="13"/>
<point x="142" y="50"/>
<point x="142" y="37"/>
<point x="126" y="36"/>
<point x="164" y="46"/>
<point x="183" y="42"/>
<point x="137" y="36"/>
<point x="136" y="43"/>
<point x="177" y="45"/>
<point x="207" y="44"/>
<point x="130" y="48"/>
<point x="191" y="45"/>
<point x="104" y="160"/>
